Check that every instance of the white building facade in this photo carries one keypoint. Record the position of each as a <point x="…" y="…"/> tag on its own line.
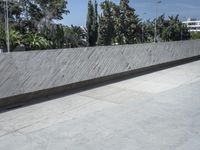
<point x="193" y="25"/>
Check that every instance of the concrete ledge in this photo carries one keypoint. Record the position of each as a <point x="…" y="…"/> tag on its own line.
<point x="25" y="76"/>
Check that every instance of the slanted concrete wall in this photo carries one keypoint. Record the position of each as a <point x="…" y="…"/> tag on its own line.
<point x="28" y="72"/>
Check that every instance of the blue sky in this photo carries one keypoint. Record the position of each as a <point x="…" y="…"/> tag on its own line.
<point x="185" y="8"/>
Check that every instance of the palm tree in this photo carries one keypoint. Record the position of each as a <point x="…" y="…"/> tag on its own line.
<point x="75" y="36"/>
<point x="148" y="31"/>
<point x="160" y="26"/>
<point x="175" y="30"/>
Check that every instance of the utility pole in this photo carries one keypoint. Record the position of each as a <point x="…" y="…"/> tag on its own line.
<point x="6" y="16"/>
<point x="155" y="29"/>
<point x="7" y="27"/>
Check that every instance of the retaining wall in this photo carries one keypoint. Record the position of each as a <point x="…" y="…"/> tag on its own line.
<point x="26" y="75"/>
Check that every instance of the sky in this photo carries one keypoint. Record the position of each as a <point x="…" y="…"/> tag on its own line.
<point x="144" y="8"/>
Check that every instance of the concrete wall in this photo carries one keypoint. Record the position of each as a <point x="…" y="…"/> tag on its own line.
<point x="27" y="72"/>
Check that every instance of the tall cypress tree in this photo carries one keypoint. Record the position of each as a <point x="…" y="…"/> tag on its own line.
<point x="91" y="24"/>
<point x="95" y="23"/>
<point x="106" y="29"/>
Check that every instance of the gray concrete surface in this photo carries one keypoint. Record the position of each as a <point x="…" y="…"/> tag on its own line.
<point x="26" y="72"/>
<point x="157" y="111"/>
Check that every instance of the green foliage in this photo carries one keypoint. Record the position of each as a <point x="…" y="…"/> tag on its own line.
<point x="33" y="20"/>
<point x="147" y="31"/>
<point x="52" y="9"/>
<point x="15" y="39"/>
<point x="32" y="25"/>
<point x="30" y="40"/>
<point x="118" y="25"/>
<point x="89" y="23"/>
<point x="174" y="30"/>
<point x="195" y="35"/>
<point x="161" y="25"/>
<point x="130" y="23"/>
<point x="35" y="41"/>
<point x="95" y="23"/>
<point x="74" y="37"/>
<point x="58" y="37"/>
<point x="171" y="29"/>
<point x="2" y="38"/>
<point x="106" y="24"/>
<point x="92" y="23"/>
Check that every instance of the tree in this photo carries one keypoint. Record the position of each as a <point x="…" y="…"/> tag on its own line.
<point x="106" y="24"/>
<point x="14" y="13"/>
<point x="148" y="31"/>
<point x="53" y="9"/>
<point x="170" y="29"/>
<point x="161" y="24"/>
<point x="2" y="38"/>
<point x="74" y="36"/>
<point x="130" y="22"/>
<point x="175" y="30"/>
<point x="118" y="25"/>
<point x="95" y="23"/>
<point x="34" y="19"/>
<point x="1" y="13"/>
<point x="92" y="24"/>
<point x="58" y="36"/>
<point x="15" y="39"/>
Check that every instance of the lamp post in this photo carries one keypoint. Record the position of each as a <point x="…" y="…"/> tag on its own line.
<point x="6" y="17"/>
<point x="155" y="29"/>
<point x="7" y="23"/>
<point x="7" y="26"/>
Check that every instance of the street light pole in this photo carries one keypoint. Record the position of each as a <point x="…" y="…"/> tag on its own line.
<point x="155" y="29"/>
<point x="7" y="27"/>
<point x="7" y="30"/>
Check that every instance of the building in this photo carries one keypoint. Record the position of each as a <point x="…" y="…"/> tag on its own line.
<point x="193" y="25"/>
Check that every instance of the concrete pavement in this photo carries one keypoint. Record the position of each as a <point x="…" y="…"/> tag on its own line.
<point x="157" y="111"/>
